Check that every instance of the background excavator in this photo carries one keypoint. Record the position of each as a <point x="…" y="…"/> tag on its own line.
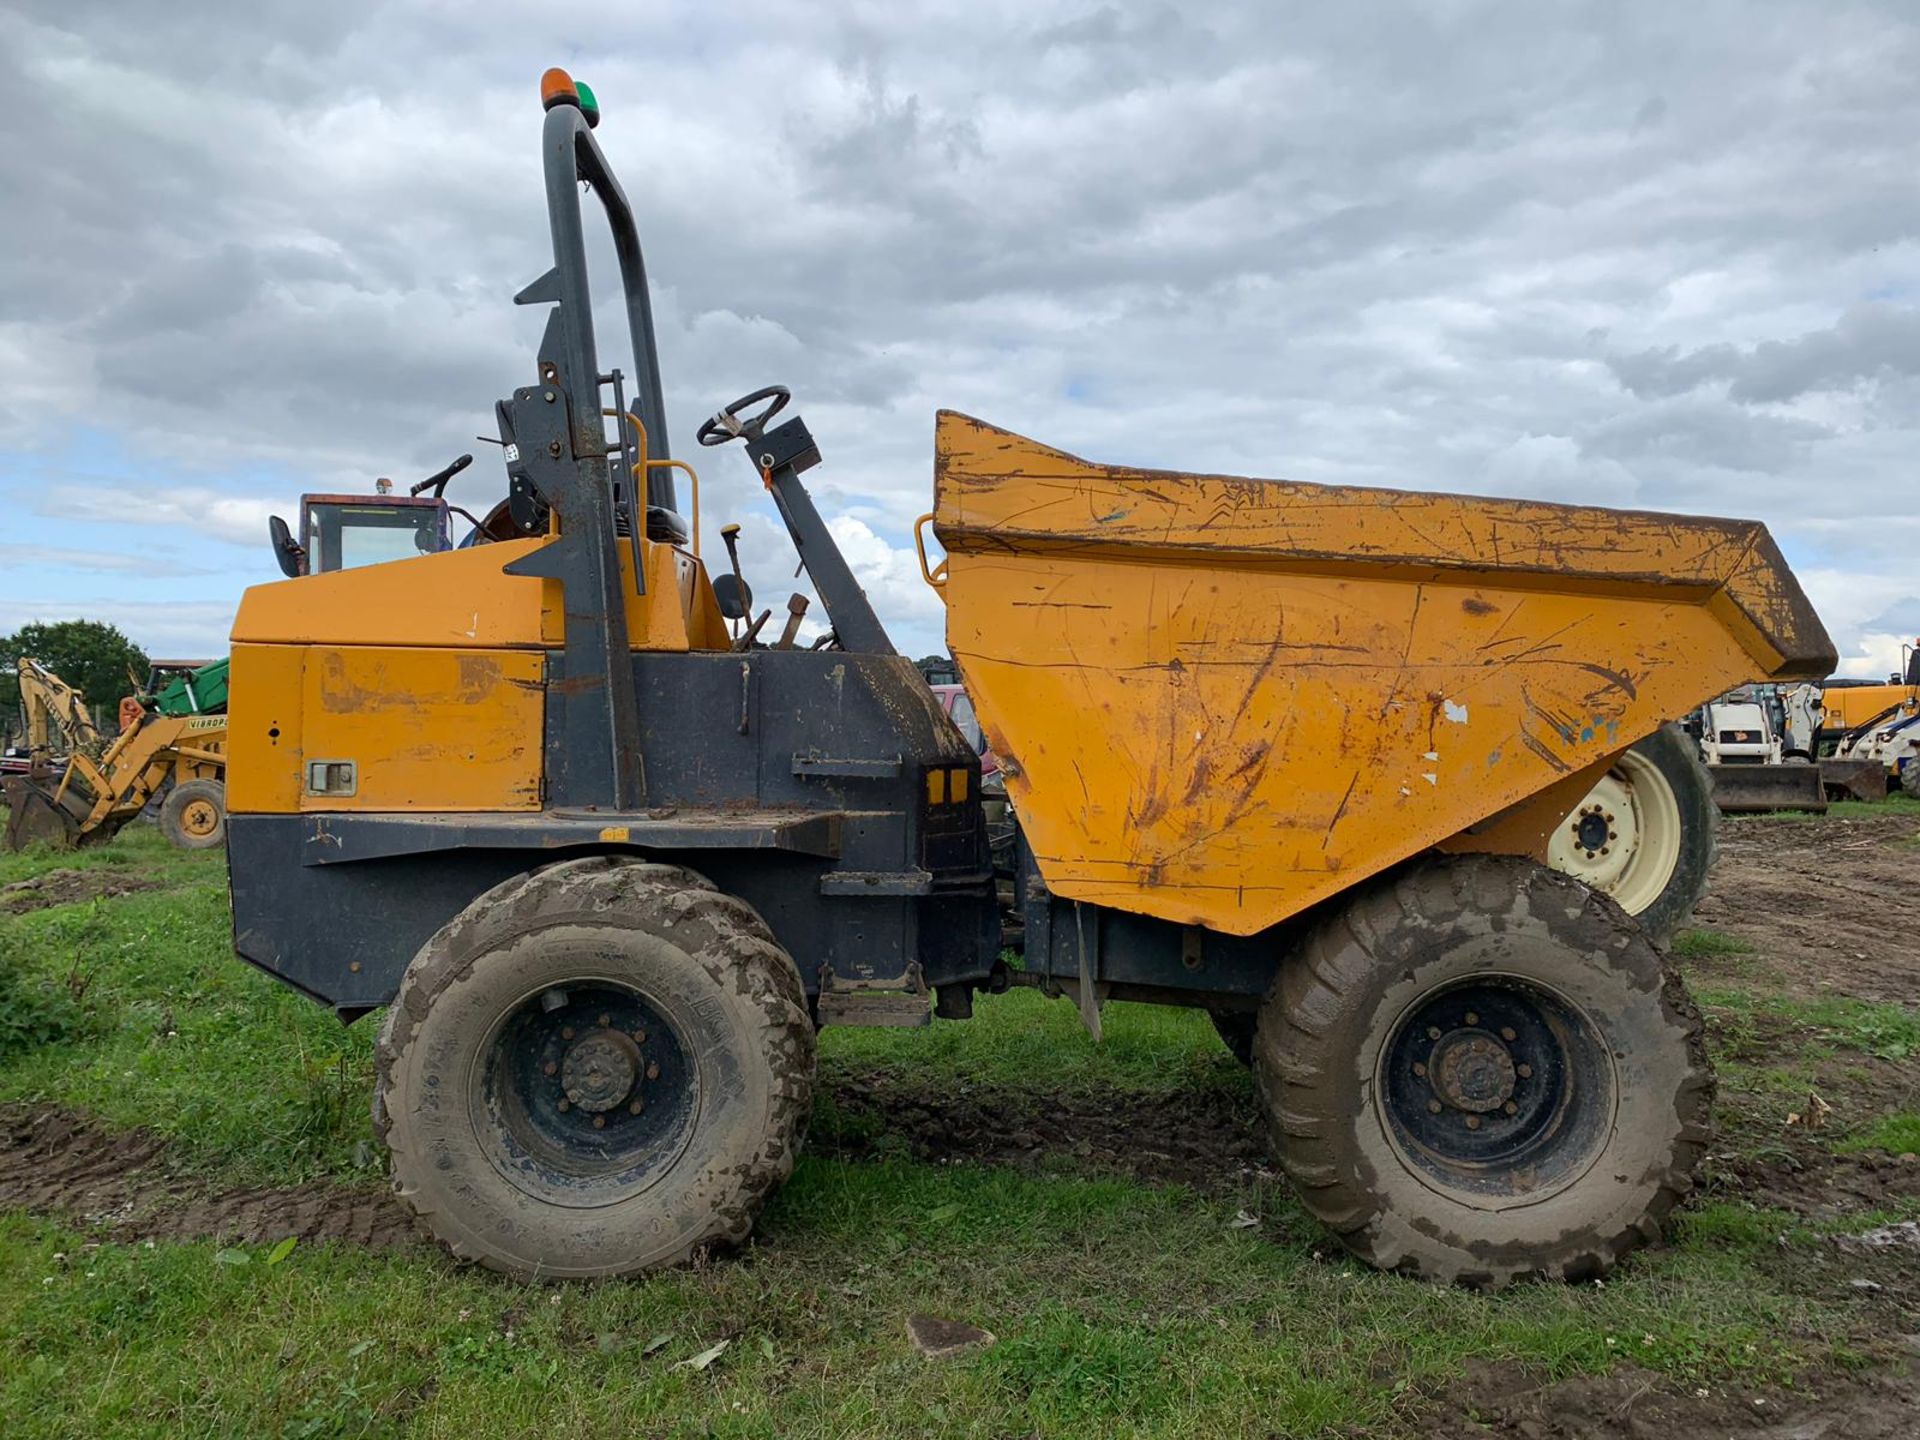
<point x="172" y="744"/>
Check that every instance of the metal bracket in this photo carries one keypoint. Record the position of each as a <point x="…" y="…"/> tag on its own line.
<point x="899" y="1003"/>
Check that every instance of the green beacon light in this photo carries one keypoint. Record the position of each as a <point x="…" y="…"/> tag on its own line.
<point x="589" y="103"/>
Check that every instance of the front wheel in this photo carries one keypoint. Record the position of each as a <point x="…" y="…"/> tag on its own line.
<point x="194" y="815"/>
<point x="598" y="1068"/>
<point x="1646" y="833"/>
<point x="1480" y="1070"/>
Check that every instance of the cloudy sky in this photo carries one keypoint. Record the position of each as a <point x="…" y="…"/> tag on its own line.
<point x="1628" y="253"/>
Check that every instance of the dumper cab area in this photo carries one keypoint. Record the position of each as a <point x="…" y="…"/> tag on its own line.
<point x="610" y="842"/>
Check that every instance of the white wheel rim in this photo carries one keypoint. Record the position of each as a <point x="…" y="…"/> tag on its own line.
<point x="1634" y="807"/>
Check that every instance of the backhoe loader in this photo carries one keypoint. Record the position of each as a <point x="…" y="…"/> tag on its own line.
<point x="171" y="745"/>
<point x="609" y="858"/>
<point x="57" y="718"/>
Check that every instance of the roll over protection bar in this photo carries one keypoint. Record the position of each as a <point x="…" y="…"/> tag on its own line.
<point x="571" y="155"/>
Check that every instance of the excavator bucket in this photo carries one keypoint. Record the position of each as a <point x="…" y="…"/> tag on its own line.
<point x="34" y="819"/>
<point x="1218" y="701"/>
<point x="1854" y="779"/>
<point x="1746" y="789"/>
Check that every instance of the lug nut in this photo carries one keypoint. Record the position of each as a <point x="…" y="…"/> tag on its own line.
<point x="550" y="1068"/>
<point x="565" y="1105"/>
<point x="566" y="1032"/>
<point x="1511" y="1108"/>
<point x="1525" y="1072"/>
<point x="1613" y="834"/>
<point x="599" y="1122"/>
<point x="1472" y="1018"/>
<point x="653" y="1071"/>
<point x="636" y="1107"/>
<point x="1433" y="1107"/>
<point x="639" y="1037"/>
<point x="1508" y="1033"/>
<point x="1433" y="1032"/>
<point x="1419" y="1069"/>
<point x="1473" y="1122"/>
<point x="605" y="1020"/>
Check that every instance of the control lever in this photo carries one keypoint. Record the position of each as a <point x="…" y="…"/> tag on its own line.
<point x="796" y="612"/>
<point x="437" y="482"/>
<point x="745" y="642"/>
<point x="731" y="592"/>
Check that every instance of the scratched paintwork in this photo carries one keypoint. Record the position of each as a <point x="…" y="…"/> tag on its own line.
<point x="1219" y="700"/>
<point x="428" y="729"/>
<point x="427" y="672"/>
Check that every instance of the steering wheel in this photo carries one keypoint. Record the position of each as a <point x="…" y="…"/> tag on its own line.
<point x="728" y="424"/>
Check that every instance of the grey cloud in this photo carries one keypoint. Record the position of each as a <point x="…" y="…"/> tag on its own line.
<point x="1867" y="343"/>
<point x="1705" y="435"/>
<point x="1619" y="253"/>
<point x="1902" y="618"/>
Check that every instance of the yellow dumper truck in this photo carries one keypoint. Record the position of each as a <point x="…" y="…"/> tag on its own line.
<point x="609" y="860"/>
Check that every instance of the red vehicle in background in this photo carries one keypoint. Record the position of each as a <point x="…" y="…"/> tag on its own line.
<point x="953" y="699"/>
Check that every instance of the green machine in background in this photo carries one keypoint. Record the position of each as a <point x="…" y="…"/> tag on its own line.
<point x="201" y="691"/>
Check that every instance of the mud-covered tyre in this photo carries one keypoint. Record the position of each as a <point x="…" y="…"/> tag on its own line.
<point x="1647" y="833"/>
<point x="601" y="1067"/>
<point x="1910" y="778"/>
<point x="1235" y="1029"/>
<point x="194" y="816"/>
<point x="1479" y="1070"/>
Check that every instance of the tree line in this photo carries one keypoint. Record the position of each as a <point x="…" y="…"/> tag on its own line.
<point x="95" y="658"/>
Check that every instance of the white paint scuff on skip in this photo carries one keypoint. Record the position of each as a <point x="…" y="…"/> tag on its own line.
<point x="1456" y="713"/>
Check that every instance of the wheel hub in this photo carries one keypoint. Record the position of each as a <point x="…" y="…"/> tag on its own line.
<point x="1494" y="1086"/>
<point x="200" y="818"/>
<point x="590" y="1092"/>
<point x="1472" y="1071"/>
<point x="1590" y="829"/>
<point x="599" y="1070"/>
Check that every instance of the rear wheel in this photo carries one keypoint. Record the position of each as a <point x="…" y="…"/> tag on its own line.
<point x="1910" y="777"/>
<point x="1645" y="834"/>
<point x="194" y="816"/>
<point x="1480" y="1070"/>
<point x="599" y="1068"/>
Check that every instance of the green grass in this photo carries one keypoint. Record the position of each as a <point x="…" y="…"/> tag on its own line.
<point x="1897" y="1134"/>
<point x="1028" y="1039"/>
<point x="1878" y="1028"/>
<point x="1121" y="1309"/>
<point x="178" y="1035"/>
<point x="1894" y="804"/>
<point x="1696" y="943"/>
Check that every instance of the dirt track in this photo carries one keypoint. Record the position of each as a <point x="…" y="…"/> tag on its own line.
<point x="52" y="1162"/>
<point x="1830" y="906"/>
<point x="1631" y="1404"/>
<point x="64" y="887"/>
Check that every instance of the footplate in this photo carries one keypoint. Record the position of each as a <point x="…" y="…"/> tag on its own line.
<point x="901" y="1003"/>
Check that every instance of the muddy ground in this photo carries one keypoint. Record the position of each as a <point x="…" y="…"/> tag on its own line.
<point x="64" y="887"/>
<point x="124" y="1183"/>
<point x="1830" y="907"/>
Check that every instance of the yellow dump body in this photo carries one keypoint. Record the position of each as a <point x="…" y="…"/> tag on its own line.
<point x="1218" y="701"/>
